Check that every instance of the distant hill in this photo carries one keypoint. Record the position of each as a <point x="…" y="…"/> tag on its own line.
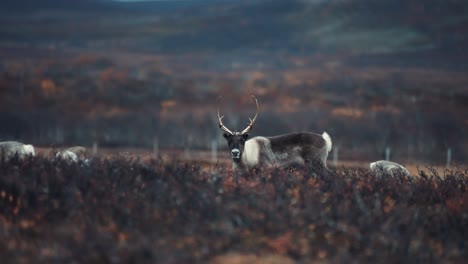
<point x="298" y="25"/>
<point x="166" y="6"/>
<point x="101" y="5"/>
<point x="32" y="5"/>
<point x="294" y="26"/>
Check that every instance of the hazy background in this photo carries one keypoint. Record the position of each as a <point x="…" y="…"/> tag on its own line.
<point x="373" y="74"/>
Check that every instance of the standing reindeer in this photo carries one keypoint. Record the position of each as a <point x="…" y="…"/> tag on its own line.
<point x="285" y="150"/>
<point x="9" y="149"/>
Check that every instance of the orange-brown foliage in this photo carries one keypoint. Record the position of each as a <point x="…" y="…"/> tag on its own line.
<point x="348" y="112"/>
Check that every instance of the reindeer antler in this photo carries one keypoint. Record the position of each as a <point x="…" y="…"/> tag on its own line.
<point x="251" y="121"/>
<point x="220" y="122"/>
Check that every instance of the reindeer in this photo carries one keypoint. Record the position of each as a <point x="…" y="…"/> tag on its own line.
<point x="382" y="167"/>
<point x="291" y="149"/>
<point x="72" y="155"/>
<point x="9" y="149"/>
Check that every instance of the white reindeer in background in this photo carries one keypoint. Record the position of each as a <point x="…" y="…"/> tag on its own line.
<point x="9" y="149"/>
<point x="285" y="150"/>
<point x="388" y="167"/>
<point x="72" y="155"/>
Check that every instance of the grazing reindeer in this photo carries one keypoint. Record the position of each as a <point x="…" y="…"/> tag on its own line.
<point x="72" y="155"/>
<point x="9" y="149"/>
<point x="388" y="167"/>
<point x="284" y="150"/>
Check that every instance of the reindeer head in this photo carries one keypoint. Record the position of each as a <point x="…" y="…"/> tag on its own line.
<point x="236" y="140"/>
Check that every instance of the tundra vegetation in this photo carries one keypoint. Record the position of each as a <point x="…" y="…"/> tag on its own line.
<point x="124" y="210"/>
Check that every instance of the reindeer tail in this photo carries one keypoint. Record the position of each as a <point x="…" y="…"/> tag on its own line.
<point x="328" y="141"/>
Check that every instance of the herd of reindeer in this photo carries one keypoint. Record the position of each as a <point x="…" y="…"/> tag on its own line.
<point x="292" y="149"/>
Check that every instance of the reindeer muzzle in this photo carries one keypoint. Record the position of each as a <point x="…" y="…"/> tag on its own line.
<point x="235" y="153"/>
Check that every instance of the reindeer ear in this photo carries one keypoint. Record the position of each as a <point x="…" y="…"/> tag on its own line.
<point x="226" y="135"/>
<point x="245" y="136"/>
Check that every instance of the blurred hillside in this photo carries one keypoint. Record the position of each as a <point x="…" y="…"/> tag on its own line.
<point x="373" y="74"/>
<point x="301" y="26"/>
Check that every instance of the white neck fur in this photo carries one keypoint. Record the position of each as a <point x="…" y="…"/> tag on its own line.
<point x="251" y="154"/>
